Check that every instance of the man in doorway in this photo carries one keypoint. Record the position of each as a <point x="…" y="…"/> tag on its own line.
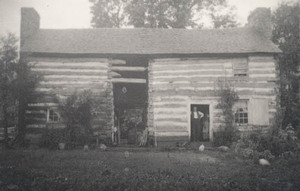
<point x="196" y="127"/>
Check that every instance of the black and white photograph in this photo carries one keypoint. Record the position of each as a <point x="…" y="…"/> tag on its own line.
<point x="149" y="95"/>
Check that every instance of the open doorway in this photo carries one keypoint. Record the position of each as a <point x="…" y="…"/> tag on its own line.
<point x="200" y="122"/>
<point x="130" y="112"/>
<point x="130" y="90"/>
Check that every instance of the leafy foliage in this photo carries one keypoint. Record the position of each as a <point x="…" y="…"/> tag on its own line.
<point x="225" y="137"/>
<point x="108" y="13"/>
<point x="228" y="97"/>
<point x="158" y="14"/>
<point x="52" y="137"/>
<point x="8" y="73"/>
<point x="268" y="146"/>
<point x="17" y="84"/>
<point x="77" y="113"/>
<point x="261" y="20"/>
<point x="223" y="16"/>
<point x="24" y="92"/>
<point x="162" y="14"/>
<point x="286" y="35"/>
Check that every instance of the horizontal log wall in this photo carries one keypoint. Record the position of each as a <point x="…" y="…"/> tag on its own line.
<point x="262" y="71"/>
<point x="63" y="77"/>
<point x="174" y="84"/>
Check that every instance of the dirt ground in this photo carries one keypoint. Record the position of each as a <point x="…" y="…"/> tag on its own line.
<point x="141" y="169"/>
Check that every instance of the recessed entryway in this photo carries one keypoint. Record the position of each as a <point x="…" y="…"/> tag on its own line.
<point x="199" y="122"/>
<point x="130" y="100"/>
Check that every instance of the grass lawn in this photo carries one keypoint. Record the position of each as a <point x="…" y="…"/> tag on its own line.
<point x="142" y="170"/>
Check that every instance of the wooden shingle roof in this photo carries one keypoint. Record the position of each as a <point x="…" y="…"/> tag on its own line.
<point x="148" y="41"/>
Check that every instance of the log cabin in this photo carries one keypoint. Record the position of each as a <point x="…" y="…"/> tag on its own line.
<point x="156" y="76"/>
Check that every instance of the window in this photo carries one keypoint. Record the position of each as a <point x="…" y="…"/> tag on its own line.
<point x="52" y="116"/>
<point x="240" y="69"/>
<point x="241" y="112"/>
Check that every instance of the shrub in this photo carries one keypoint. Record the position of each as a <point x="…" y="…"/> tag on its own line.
<point x="225" y="137"/>
<point x="77" y="112"/>
<point x="52" y="137"/>
<point x="286" y="140"/>
<point x="228" y="97"/>
<point x="269" y="146"/>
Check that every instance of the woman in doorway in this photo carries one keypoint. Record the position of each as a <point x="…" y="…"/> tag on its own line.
<point x="196" y="127"/>
<point x="206" y="127"/>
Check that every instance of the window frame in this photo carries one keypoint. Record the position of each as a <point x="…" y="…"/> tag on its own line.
<point x="243" y="113"/>
<point x="237" y="67"/>
<point x="55" y="111"/>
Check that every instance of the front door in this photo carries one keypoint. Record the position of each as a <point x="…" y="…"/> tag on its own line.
<point x="199" y="126"/>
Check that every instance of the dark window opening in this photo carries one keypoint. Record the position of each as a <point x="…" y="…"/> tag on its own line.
<point x="53" y="116"/>
<point x="240" y="69"/>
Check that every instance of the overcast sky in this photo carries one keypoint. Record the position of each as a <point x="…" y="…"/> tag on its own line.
<point x="76" y="13"/>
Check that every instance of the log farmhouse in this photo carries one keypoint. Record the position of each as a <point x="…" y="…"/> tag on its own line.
<point x="156" y="75"/>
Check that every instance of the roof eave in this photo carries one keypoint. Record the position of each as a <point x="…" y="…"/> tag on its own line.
<point x="144" y="54"/>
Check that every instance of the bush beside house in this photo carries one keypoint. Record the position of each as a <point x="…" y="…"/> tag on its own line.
<point x="77" y="112"/>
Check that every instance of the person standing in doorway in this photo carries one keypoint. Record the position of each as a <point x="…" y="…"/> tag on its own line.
<point x="196" y="127"/>
<point x="205" y="120"/>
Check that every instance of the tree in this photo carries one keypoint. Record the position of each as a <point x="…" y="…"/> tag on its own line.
<point x="163" y="14"/>
<point x="155" y="13"/>
<point x="223" y="16"/>
<point x="286" y="36"/>
<point x="107" y="14"/>
<point x="148" y="13"/>
<point x="17" y="84"/>
<point x="227" y="98"/>
<point x="261" y="19"/>
<point x="8" y="61"/>
<point x="24" y="92"/>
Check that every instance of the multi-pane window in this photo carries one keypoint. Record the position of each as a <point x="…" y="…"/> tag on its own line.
<point x="52" y="116"/>
<point x="241" y="112"/>
<point x="240" y="69"/>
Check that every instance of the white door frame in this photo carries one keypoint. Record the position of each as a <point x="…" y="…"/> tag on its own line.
<point x="211" y="117"/>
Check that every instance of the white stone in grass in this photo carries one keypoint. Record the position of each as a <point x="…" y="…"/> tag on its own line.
<point x="103" y="147"/>
<point x="126" y="154"/>
<point x="85" y="148"/>
<point x="264" y="162"/>
<point x="61" y="146"/>
<point x="201" y="148"/>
